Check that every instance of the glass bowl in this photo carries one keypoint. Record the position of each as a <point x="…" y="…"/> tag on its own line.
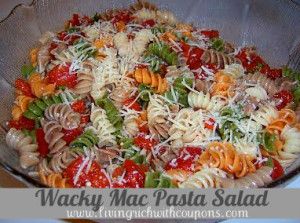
<point x="272" y="26"/>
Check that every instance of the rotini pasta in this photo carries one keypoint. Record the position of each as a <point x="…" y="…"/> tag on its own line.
<point x="285" y="117"/>
<point x="103" y="128"/>
<point x="39" y="87"/>
<point x="29" y="155"/>
<point x="205" y="178"/>
<point x="223" y="85"/>
<point x="144" y="76"/>
<point x="64" y="115"/>
<point x="205" y="101"/>
<point x="218" y="58"/>
<point x="223" y="156"/>
<point x="265" y="115"/>
<point x="55" y="180"/>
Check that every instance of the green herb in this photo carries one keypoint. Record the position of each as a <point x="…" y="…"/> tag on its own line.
<point x="73" y="30"/>
<point x="96" y="17"/>
<point x="217" y="44"/>
<point x="154" y="61"/>
<point x="270" y="162"/>
<point x="27" y="70"/>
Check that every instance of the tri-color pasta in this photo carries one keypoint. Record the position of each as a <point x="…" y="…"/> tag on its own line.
<point x="134" y="98"/>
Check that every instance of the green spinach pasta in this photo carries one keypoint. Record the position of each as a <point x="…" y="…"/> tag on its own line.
<point x="134" y="98"/>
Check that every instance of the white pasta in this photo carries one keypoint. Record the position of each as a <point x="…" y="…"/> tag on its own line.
<point x="188" y="127"/>
<point x="105" y="73"/>
<point x="208" y="177"/>
<point x="102" y="127"/>
<point x="132" y="48"/>
<point x="291" y="138"/>
<point x="265" y="114"/>
<point x="204" y="101"/>
<point x="130" y="124"/>
<point x="158" y="15"/>
<point x="26" y="148"/>
<point x="234" y="70"/>
<point x="258" y="92"/>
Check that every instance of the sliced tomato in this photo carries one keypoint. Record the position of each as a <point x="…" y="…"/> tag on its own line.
<point x="132" y="105"/>
<point x="210" y="33"/>
<point x="43" y="146"/>
<point x="70" y="135"/>
<point x="134" y="175"/>
<point x="22" y="123"/>
<point x="185" y="160"/>
<point x="78" y="21"/>
<point x="144" y="128"/>
<point x="185" y="49"/>
<point x="277" y="168"/>
<point x="24" y="87"/>
<point x="252" y="62"/>
<point x="78" y="106"/>
<point x="61" y="76"/>
<point x="148" y="23"/>
<point x="84" y="119"/>
<point x="144" y="141"/>
<point x="284" y="97"/>
<point x="194" y="59"/>
<point x="210" y="123"/>
<point x="123" y="16"/>
<point x="94" y="176"/>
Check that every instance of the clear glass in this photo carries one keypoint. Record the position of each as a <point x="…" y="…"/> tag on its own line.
<point x="272" y="26"/>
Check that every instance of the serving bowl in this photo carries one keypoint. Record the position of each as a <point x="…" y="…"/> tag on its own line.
<point x="270" y="25"/>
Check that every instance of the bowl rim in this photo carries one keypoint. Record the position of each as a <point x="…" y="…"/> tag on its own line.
<point x="34" y="182"/>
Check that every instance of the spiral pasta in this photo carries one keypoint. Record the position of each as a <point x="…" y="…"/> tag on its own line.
<point x="131" y="125"/>
<point x="103" y="128"/>
<point x="265" y="114"/>
<point x="144" y="76"/>
<point x="53" y="136"/>
<point x="188" y="127"/>
<point x="224" y="156"/>
<point x="253" y="180"/>
<point x="285" y="117"/>
<point x="64" y="115"/>
<point x="257" y="92"/>
<point x="178" y="175"/>
<point x="55" y="180"/>
<point x="84" y="84"/>
<point x="291" y="138"/>
<point x="257" y="78"/>
<point x="222" y="86"/>
<point x="157" y="115"/>
<point x="205" y="101"/>
<point x="29" y="155"/>
<point x="234" y="70"/>
<point x="205" y="178"/>
<point x="218" y="58"/>
<point x="21" y="105"/>
<point x="39" y="87"/>
<point x="123" y="90"/>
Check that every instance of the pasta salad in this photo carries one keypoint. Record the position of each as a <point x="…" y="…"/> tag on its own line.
<point x="134" y="98"/>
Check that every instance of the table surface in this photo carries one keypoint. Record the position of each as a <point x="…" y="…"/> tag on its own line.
<point x="8" y="181"/>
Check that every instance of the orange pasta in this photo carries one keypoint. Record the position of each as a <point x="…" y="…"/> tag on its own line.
<point x="167" y="36"/>
<point x="224" y="156"/>
<point x="54" y="180"/>
<point x="33" y="56"/>
<point x="144" y="76"/>
<point x="39" y="86"/>
<point x="21" y="105"/>
<point x="222" y="85"/>
<point x="185" y="29"/>
<point x="285" y="117"/>
<point x="100" y="43"/>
